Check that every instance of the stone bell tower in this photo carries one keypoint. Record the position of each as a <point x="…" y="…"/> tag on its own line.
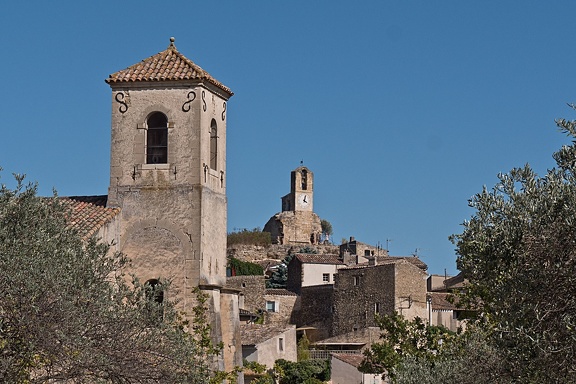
<point x="301" y="191"/>
<point x="168" y="176"/>
<point x="297" y="223"/>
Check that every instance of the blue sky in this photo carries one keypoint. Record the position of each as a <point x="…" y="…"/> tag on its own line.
<point x="402" y="109"/>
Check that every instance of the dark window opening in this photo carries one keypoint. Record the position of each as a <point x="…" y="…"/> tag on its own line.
<point x="304" y="179"/>
<point x="157" y="139"/>
<point x="154" y="291"/>
<point x="213" y="145"/>
<point x="155" y="299"/>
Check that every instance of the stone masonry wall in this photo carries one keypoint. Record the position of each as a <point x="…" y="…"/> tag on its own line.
<point x="274" y="251"/>
<point x="316" y="309"/>
<point x="294" y="282"/>
<point x="287" y="303"/>
<point x="252" y="289"/>
<point x="361" y="292"/>
<point x="410" y="290"/>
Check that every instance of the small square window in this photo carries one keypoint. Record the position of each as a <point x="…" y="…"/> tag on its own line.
<point x="271" y="306"/>
<point x="326" y="277"/>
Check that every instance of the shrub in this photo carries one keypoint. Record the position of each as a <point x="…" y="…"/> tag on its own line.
<point x="249" y="237"/>
<point x="244" y="268"/>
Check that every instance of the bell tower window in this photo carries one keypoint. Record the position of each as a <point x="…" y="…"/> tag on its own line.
<point x="213" y="145"/>
<point x="157" y="139"/>
<point x="304" y="180"/>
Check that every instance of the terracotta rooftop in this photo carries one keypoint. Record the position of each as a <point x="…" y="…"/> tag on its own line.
<point x="360" y="337"/>
<point x="279" y="292"/>
<point x="252" y="334"/>
<point x="168" y="65"/>
<point x="89" y="213"/>
<point x="353" y="359"/>
<point x="456" y="282"/>
<point x="440" y="301"/>
<point x="245" y="312"/>
<point x="310" y="258"/>
<point x="412" y="259"/>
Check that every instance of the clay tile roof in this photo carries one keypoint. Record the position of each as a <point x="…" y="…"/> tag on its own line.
<point x="309" y="258"/>
<point x="168" y="65"/>
<point x="252" y="334"/>
<point x="89" y="213"/>
<point x="353" y="359"/>
<point x="279" y="292"/>
<point x="440" y="301"/>
<point x="412" y="259"/>
<point x="245" y="312"/>
<point x="456" y="282"/>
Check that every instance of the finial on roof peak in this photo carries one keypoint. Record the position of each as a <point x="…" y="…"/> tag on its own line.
<point x="172" y="40"/>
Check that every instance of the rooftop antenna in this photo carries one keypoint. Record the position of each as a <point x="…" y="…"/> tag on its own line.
<point x="388" y="241"/>
<point x="416" y="252"/>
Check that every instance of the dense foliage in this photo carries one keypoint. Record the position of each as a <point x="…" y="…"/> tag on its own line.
<point x="303" y="348"/>
<point x="400" y="339"/>
<point x="244" y="268"/>
<point x="289" y="372"/>
<point x="468" y="358"/>
<point x="249" y="237"/>
<point x="279" y="278"/>
<point x="326" y="227"/>
<point x="67" y="313"/>
<point x="518" y="252"/>
<point x="302" y="372"/>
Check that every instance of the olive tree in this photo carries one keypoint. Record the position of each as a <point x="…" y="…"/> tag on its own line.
<point x="69" y="314"/>
<point x="400" y="340"/>
<point x="518" y="252"/>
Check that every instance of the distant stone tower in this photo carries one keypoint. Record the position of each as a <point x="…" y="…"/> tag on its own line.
<point x="297" y="223"/>
<point x="168" y="176"/>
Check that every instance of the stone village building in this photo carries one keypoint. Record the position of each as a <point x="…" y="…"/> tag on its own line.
<point x="166" y="205"/>
<point x="166" y="210"/>
<point x="334" y="297"/>
<point x="358" y="293"/>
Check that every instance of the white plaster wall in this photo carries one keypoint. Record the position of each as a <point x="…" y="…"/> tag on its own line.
<point x="312" y="273"/>
<point x="344" y="373"/>
<point x="268" y="351"/>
